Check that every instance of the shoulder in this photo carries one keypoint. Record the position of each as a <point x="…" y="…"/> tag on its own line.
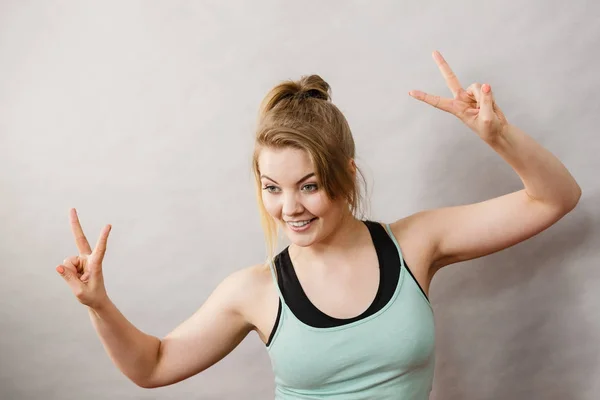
<point x="250" y="289"/>
<point x="248" y="282"/>
<point x="412" y="228"/>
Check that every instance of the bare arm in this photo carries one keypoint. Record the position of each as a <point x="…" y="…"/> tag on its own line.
<point x="198" y="343"/>
<point x="131" y="350"/>
<point x="207" y="336"/>
<point x="469" y="231"/>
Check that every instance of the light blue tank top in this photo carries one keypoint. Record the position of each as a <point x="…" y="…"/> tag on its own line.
<point x="387" y="355"/>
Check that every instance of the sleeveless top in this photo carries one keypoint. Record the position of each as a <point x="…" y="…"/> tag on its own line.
<point x="387" y="352"/>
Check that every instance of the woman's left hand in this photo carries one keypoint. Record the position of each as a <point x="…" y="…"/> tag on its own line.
<point x="475" y="106"/>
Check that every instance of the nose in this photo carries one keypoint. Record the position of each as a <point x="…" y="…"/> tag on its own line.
<point x="291" y="206"/>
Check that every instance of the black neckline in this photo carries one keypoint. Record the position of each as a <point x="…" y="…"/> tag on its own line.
<point x="301" y="306"/>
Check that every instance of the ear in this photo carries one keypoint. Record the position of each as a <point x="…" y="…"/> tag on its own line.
<point x="352" y="166"/>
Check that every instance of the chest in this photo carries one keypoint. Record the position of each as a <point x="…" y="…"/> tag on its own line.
<point x="344" y="292"/>
<point x="396" y="342"/>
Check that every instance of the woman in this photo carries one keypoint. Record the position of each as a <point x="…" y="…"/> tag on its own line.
<point x="343" y="310"/>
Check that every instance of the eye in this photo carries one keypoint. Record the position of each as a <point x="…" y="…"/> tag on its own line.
<point x="270" y="188"/>
<point x="311" y="187"/>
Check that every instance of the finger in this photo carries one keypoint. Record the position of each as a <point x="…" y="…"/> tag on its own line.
<point x="70" y="267"/>
<point x="486" y="107"/>
<point x="475" y="91"/>
<point x="72" y="280"/>
<point x="100" y="249"/>
<point x="80" y="240"/>
<point x="451" y="78"/>
<point x="85" y="277"/>
<point x="442" y="103"/>
<point x="73" y="262"/>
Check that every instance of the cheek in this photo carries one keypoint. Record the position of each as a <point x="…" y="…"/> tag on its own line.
<point x="318" y="205"/>
<point x="271" y="205"/>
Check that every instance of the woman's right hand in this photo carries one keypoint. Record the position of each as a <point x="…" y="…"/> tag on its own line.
<point x="83" y="273"/>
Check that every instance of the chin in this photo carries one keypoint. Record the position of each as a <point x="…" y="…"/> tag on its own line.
<point x="301" y="243"/>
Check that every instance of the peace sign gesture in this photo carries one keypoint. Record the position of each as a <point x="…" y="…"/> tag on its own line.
<point x="83" y="273"/>
<point x="475" y="106"/>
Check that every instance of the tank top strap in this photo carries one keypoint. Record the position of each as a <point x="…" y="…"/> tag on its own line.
<point x="275" y="281"/>
<point x="404" y="266"/>
<point x="389" y="232"/>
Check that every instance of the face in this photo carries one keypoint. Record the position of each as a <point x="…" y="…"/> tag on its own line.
<point x="292" y="195"/>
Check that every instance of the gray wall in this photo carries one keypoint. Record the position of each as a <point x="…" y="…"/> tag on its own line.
<point x="141" y="115"/>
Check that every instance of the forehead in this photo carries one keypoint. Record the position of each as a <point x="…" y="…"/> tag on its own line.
<point x="286" y="161"/>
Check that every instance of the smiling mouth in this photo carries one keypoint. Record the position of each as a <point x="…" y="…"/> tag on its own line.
<point x="300" y="224"/>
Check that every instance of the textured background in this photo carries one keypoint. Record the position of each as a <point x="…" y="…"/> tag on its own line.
<point x="141" y="113"/>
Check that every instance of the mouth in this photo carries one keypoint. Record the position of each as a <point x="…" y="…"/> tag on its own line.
<point x="300" y="226"/>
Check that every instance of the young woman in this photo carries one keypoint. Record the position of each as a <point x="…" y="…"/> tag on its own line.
<point x="343" y="310"/>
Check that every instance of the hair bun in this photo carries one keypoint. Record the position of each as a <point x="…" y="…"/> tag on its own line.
<point x="310" y="86"/>
<point x="314" y="86"/>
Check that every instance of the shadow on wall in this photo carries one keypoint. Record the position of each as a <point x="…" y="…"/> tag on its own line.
<point x="513" y="324"/>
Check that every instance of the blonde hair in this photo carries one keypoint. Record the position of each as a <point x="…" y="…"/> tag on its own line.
<point x="299" y="114"/>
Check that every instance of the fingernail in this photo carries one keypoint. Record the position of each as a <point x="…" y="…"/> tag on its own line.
<point x="60" y="269"/>
<point x="486" y="88"/>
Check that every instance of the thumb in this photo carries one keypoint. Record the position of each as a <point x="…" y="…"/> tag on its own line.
<point x="486" y="106"/>
<point x="71" y="279"/>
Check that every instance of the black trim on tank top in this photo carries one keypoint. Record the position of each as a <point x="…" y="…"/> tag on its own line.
<point x="275" y="325"/>
<point x="304" y="310"/>
<point x="298" y="302"/>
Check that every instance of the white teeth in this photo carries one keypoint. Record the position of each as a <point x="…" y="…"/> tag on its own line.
<point x="299" y="224"/>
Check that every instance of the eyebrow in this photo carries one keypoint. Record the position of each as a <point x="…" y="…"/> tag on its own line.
<point x="300" y="181"/>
